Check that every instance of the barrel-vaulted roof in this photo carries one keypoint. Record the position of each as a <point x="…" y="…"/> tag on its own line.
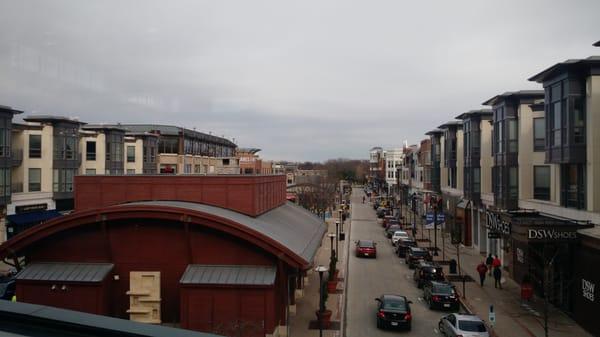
<point x="289" y="232"/>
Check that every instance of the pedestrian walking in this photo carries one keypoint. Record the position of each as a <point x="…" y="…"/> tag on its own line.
<point x="497" y="277"/>
<point x="482" y="270"/>
<point x="496" y="263"/>
<point x="488" y="263"/>
<point x="363" y="199"/>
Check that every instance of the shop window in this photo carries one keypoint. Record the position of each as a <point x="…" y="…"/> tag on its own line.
<point x="541" y="182"/>
<point x="539" y="134"/>
<point x="573" y="186"/>
<point x="130" y="171"/>
<point x="35" y="180"/>
<point x="35" y="146"/>
<point x="90" y="172"/>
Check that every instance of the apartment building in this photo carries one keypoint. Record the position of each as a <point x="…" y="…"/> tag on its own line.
<point x="8" y="159"/>
<point x="451" y="186"/>
<point x="435" y="154"/>
<point x="184" y="151"/>
<point x="250" y="163"/>
<point x="376" y="167"/>
<point x="393" y="161"/>
<point x="425" y="166"/>
<point x="476" y="172"/>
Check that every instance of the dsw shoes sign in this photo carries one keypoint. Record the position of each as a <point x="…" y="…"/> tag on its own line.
<point x="551" y="234"/>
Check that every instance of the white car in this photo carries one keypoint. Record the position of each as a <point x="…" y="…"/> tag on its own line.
<point x="462" y="325"/>
<point x="399" y="235"/>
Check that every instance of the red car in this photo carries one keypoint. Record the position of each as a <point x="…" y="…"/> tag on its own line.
<point x="366" y="248"/>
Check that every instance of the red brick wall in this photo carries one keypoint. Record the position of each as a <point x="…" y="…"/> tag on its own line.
<point x="250" y="195"/>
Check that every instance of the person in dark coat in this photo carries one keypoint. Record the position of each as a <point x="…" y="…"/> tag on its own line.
<point x="488" y="263"/>
<point x="497" y="277"/>
<point x="482" y="270"/>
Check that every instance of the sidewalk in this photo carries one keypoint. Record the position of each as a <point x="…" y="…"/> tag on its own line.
<point x="512" y="318"/>
<point x="307" y="300"/>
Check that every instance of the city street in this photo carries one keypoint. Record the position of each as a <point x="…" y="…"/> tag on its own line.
<point x="369" y="278"/>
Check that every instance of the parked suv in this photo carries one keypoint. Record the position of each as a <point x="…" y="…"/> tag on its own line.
<point x="415" y="254"/>
<point x="440" y="295"/>
<point x="427" y="271"/>
<point x="403" y="245"/>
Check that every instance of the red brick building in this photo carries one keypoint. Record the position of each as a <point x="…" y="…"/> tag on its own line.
<point x="226" y="251"/>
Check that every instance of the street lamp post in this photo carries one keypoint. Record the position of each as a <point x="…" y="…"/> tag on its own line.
<point x="436" y="201"/>
<point x="321" y="269"/>
<point x="331" y="236"/>
<point x="337" y="234"/>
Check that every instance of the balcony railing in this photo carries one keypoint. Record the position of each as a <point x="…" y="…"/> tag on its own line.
<point x="16" y="187"/>
<point x="16" y="158"/>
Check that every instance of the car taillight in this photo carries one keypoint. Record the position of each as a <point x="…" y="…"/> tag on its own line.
<point x="380" y="314"/>
<point x="435" y="298"/>
<point x="408" y="317"/>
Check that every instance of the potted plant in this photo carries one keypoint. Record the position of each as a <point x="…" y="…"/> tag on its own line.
<point x="323" y="314"/>
<point x="332" y="277"/>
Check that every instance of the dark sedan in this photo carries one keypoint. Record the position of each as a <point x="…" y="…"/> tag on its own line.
<point x="427" y="271"/>
<point x="391" y="229"/>
<point x="415" y="254"/>
<point x="366" y="248"/>
<point x="393" y="311"/>
<point x="403" y="245"/>
<point x="440" y="295"/>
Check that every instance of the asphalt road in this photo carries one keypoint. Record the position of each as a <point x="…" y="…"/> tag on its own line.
<point x="369" y="278"/>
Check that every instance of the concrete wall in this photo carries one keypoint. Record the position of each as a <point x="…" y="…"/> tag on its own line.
<point x="592" y="103"/>
<point x="486" y="157"/>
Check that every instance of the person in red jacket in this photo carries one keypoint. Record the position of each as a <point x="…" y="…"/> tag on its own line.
<point x="496" y="263"/>
<point x="482" y="270"/>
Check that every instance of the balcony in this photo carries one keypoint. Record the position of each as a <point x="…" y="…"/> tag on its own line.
<point x="16" y="158"/>
<point x="16" y="188"/>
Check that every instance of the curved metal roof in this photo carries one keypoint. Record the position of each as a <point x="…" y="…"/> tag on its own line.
<point x="289" y="231"/>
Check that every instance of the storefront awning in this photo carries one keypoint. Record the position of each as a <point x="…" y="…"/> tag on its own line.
<point x="32" y="217"/>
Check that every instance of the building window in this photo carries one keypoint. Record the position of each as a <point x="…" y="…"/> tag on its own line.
<point x="573" y="185"/>
<point x="5" y="182"/>
<point x="4" y="142"/>
<point x="90" y="151"/>
<point x="187" y="169"/>
<point x="513" y="138"/>
<point x="131" y="154"/>
<point x="513" y="183"/>
<point x="130" y="171"/>
<point x="557" y="106"/>
<point x="197" y="169"/>
<point x="63" y="180"/>
<point x="90" y="172"/>
<point x="225" y="162"/>
<point x="35" y="180"/>
<point x="578" y="121"/>
<point x="35" y="146"/>
<point x="539" y="134"/>
<point x="541" y="182"/>
<point x="476" y="180"/>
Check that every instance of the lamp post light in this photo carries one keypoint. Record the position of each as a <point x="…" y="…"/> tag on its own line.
<point x="321" y="269"/>
<point x="331" y="237"/>
<point x="337" y="234"/>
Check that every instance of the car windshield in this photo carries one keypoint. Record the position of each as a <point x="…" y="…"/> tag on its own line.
<point x="367" y="244"/>
<point x="445" y="289"/>
<point x="473" y="326"/>
<point x="400" y="234"/>
<point x="394" y="305"/>
<point x="419" y="252"/>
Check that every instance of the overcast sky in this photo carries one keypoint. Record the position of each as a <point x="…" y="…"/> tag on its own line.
<point x="302" y="80"/>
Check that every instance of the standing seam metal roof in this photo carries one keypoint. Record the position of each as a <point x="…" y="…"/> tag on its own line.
<point x="229" y="275"/>
<point x="290" y="225"/>
<point x="65" y="272"/>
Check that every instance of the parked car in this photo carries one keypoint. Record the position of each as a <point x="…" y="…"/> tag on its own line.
<point x="399" y="235"/>
<point x="440" y="295"/>
<point x="366" y="248"/>
<point x="387" y="219"/>
<point x="391" y="229"/>
<point x="427" y="271"/>
<point x="403" y="245"/>
<point x="415" y="254"/>
<point x="381" y="212"/>
<point x="454" y="325"/>
<point x="393" y="311"/>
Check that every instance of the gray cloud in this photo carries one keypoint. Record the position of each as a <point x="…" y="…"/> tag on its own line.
<point x="304" y="80"/>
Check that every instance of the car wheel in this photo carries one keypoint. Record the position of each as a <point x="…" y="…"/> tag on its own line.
<point x="441" y="330"/>
<point x="378" y="324"/>
<point x="408" y="327"/>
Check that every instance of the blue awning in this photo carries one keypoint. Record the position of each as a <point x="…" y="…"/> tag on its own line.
<point x="33" y="217"/>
